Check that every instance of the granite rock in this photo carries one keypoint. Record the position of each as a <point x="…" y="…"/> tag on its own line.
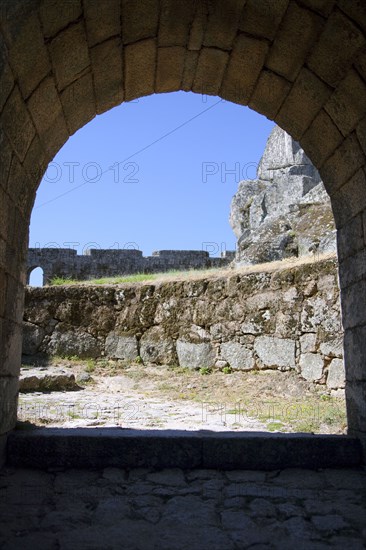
<point x="286" y="211"/>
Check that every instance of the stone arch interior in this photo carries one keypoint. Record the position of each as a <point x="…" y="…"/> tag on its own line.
<point x="299" y="63"/>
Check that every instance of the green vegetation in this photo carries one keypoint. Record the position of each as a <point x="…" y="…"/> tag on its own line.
<point x="60" y="281"/>
<point x="136" y="278"/>
<point x="205" y="370"/>
<point x="275" y="426"/>
<point x="227" y="370"/>
<point x="90" y="365"/>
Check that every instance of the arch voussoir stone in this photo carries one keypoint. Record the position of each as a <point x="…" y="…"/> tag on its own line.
<point x="294" y="40"/>
<point x="78" y="102"/>
<point x="140" y="68"/>
<point x="170" y="69"/>
<point x="210" y="71"/>
<point x="107" y="65"/>
<point x="269" y="93"/>
<point x="24" y="39"/>
<point x="244" y="67"/>
<point x="342" y="164"/>
<point x="69" y="54"/>
<point x="45" y="108"/>
<point x="306" y="98"/>
<point x="101" y="25"/>
<point x="320" y="150"/>
<point x="17" y="123"/>
<point x="301" y="63"/>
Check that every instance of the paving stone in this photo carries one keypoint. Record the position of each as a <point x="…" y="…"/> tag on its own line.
<point x="299" y="527"/>
<point x="309" y="479"/>
<point x="173" y="477"/>
<point x="236" y="520"/>
<point x="189" y="510"/>
<point x="91" y="516"/>
<point x="288" y="509"/>
<point x="262" y="507"/>
<point x="193" y="475"/>
<point x="195" y="538"/>
<point x="329" y="523"/>
<point x="115" y="475"/>
<point x="27" y="541"/>
<point x="343" y="542"/>
<point x="242" y="476"/>
<point x="112" y="510"/>
<point x="346" y="479"/>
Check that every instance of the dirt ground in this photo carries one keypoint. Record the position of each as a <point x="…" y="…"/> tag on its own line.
<point x="108" y="393"/>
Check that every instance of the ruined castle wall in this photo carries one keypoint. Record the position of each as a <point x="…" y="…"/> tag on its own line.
<point x="287" y="319"/>
<point x="66" y="263"/>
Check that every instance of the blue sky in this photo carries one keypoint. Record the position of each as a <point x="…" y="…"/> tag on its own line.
<point x="170" y="186"/>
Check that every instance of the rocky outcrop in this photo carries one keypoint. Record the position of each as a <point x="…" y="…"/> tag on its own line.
<point x="46" y="380"/>
<point x="286" y="211"/>
<point x="287" y="319"/>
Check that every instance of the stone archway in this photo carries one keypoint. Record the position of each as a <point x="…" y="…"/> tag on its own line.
<point x="301" y="63"/>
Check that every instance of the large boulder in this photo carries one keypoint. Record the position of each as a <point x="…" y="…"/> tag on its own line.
<point x="286" y="211"/>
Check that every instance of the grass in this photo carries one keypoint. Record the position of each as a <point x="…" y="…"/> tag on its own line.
<point x="275" y="426"/>
<point x="61" y="281"/>
<point x="135" y="278"/>
<point x="197" y="274"/>
<point x="205" y="371"/>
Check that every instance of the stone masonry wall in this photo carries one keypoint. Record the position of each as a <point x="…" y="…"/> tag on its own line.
<point x="287" y="319"/>
<point x="96" y="263"/>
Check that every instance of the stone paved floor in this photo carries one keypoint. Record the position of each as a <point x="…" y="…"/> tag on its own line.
<point x="175" y="509"/>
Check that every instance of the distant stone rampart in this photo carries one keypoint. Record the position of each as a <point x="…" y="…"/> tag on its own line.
<point x="97" y="263"/>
